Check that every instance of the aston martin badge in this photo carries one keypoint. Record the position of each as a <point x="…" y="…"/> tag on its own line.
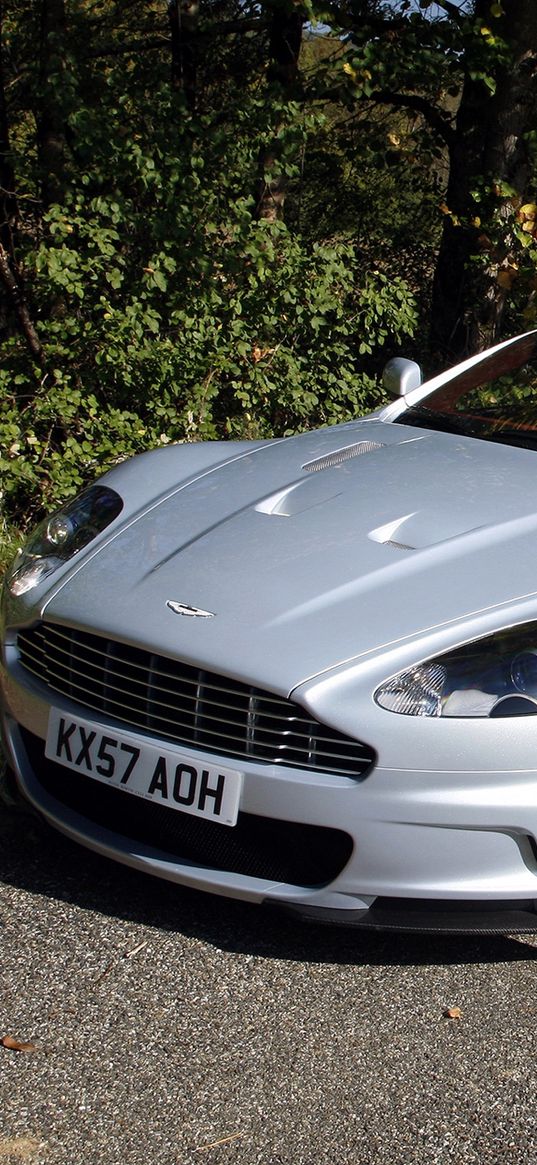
<point x="186" y="609"/>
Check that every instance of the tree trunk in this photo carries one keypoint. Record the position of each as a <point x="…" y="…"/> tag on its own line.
<point x="51" y="130"/>
<point x="489" y="176"/>
<point x="287" y="20"/>
<point x="183" y="16"/>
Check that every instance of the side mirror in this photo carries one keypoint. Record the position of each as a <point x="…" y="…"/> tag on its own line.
<point x="400" y="376"/>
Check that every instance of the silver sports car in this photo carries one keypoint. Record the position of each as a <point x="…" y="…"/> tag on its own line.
<point x="302" y="672"/>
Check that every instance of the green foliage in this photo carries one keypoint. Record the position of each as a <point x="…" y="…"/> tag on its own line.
<point x="165" y="309"/>
<point x="168" y="312"/>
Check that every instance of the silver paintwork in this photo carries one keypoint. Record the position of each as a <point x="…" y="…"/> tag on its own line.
<point x="330" y="572"/>
<point x="401" y="376"/>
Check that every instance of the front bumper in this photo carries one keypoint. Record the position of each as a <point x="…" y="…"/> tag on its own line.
<point x="428" y="851"/>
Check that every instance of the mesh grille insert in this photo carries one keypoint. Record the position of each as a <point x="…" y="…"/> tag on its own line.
<point x="341" y="455"/>
<point x="260" y="847"/>
<point x="187" y="705"/>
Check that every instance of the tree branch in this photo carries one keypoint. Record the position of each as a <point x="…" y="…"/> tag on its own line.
<point x="163" y="41"/>
<point x="18" y="300"/>
<point x="437" y="121"/>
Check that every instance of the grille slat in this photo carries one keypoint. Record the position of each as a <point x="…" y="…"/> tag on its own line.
<point x="156" y="692"/>
<point x="309" y="742"/>
<point x="114" y="674"/>
<point x="207" y="711"/>
<point x="228" y="686"/>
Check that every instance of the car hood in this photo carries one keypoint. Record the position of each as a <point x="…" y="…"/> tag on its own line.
<point x="316" y="550"/>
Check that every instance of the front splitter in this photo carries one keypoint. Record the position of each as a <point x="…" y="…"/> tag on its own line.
<point x="425" y="916"/>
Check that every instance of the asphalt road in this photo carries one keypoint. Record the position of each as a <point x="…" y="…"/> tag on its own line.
<point x="173" y="1028"/>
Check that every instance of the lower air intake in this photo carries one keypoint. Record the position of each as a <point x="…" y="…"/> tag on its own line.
<point x="260" y="847"/>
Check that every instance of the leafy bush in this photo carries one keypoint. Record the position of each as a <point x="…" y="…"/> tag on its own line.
<point x="168" y="312"/>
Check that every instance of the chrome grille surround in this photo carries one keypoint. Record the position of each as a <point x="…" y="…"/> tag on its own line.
<point x="187" y="705"/>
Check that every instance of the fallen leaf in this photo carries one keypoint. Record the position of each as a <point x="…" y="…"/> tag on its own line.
<point x="17" y="1045"/>
<point x="20" y="1147"/>
<point x="452" y="1013"/>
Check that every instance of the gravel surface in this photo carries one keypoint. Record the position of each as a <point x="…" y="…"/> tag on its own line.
<point x="174" y="1028"/>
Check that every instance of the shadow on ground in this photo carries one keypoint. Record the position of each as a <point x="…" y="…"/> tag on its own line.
<point x="36" y="859"/>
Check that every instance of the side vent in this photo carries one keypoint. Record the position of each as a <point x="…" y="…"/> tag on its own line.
<point x="398" y="545"/>
<point x="387" y="535"/>
<point x="340" y="456"/>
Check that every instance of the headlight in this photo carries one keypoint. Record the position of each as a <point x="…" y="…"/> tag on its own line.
<point x="496" y="676"/>
<point x="61" y="536"/>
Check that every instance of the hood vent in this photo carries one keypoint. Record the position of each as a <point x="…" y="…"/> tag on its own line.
<point x="341" y="455"/>
<point x="398" y="545"/>
<point x="387" y="535"/>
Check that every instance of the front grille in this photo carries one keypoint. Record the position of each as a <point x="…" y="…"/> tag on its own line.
<point x="261" y="847"/>
<point x="187" y="705"/>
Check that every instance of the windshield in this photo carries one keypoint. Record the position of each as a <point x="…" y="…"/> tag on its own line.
<point x="495" y="400"/>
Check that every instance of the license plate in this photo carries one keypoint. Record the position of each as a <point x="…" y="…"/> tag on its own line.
<point x="147" y="770"/>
